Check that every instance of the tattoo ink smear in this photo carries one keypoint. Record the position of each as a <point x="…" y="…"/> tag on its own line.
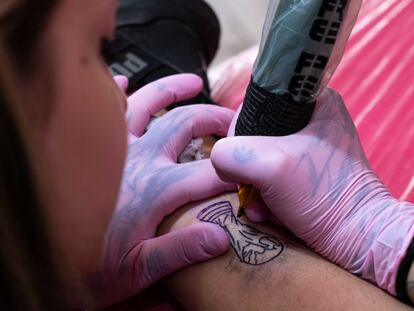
<point x="252" y="246"/>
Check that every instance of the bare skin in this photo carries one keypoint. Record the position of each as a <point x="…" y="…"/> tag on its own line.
<point x="296" y="279"/>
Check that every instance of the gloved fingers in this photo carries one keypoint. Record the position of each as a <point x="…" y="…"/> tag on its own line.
<point x="194" y="181"/>
<point x="232" y="127"/>
<point x="168" y="253"/>
<point x="224" y="178"/>
<point x="150" y="99"/>
<point x="183" y="124"/>
<point x="250" y="160"/>
<point x="330" y="107"/>
<point x="257" y="211"/>
<point x="122" y="82"/>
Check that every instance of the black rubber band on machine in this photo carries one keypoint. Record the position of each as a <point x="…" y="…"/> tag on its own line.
<point x="268" y="114"/>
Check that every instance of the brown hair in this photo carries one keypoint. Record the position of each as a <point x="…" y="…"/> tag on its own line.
<point x="26" y="266"/>
<point x="21" y="25"/>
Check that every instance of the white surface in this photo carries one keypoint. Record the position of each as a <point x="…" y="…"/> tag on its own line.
<point x="241" y="23"/>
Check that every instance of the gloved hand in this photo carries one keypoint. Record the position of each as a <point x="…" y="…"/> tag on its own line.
<point x="154" y="185"/>
<point x="319" y="184"/>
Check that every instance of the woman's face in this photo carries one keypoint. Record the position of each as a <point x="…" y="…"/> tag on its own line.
<point x="82" y="134"/>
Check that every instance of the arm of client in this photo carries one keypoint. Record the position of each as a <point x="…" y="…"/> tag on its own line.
<point x="266" y="269"/>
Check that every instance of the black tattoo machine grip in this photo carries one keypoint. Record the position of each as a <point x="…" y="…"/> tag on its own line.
<point x="267" y="114"/>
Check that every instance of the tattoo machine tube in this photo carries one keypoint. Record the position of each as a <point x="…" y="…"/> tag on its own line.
<point x="302" y="44"/>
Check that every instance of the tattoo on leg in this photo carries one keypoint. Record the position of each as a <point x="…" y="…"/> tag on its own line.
<point x="252" y="246"/>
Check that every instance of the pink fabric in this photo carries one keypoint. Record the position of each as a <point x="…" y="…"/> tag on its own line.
<point x="376" y="80"/>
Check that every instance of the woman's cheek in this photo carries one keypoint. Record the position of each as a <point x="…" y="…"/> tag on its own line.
<point x="113" y="137"/>
<point x="103" y="151"/>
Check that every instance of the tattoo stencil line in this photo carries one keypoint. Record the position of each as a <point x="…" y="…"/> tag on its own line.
<point x="252" y="246"/>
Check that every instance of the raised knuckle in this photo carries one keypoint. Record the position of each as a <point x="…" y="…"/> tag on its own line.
<point x="193" y="246"/>
<point x="221" y="147"/>
<point x="217" y="154"/>
<point x="209" y="244"/>
<point x="275" y="164"/>
<point x="150" y="267"/>
<point x="330" y="92"/>
<point x="181" y="110"/>
<point x="132" y="270"/>
<point x="334" y="97"/>
<point x="188" y="253"/>
<point x="182" y="114"/>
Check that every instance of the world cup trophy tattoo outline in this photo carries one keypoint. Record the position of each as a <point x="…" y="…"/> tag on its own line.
<point x="252" y="246"/>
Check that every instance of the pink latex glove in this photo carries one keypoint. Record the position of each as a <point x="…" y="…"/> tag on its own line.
<point x="154" y="185"/>
<point x="319" y="184"/>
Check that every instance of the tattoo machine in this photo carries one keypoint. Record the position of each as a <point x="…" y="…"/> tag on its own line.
<point x="159" y="38"/>
<point x="302" y="44"/>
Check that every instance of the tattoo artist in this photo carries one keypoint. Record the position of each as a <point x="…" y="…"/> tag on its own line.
<point x="64" y="143"/>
